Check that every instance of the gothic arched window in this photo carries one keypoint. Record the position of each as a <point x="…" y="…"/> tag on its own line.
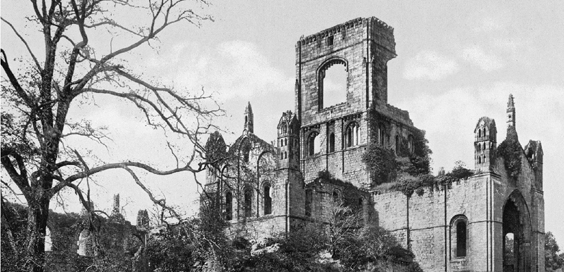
<point x="410" y="144"/>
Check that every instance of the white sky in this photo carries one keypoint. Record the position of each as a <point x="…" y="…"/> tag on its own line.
<point x="457" y="61"/>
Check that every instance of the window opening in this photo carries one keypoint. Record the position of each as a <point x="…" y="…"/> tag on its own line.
<point x="330" y="40"/>
<point x="352" y="135"/>
<point x="308" y="200"/>
<point x="336" y="196"/>
<point x="397" y="144"/>
<point x="313" y="144"/>
<point x="248" y="202"/>
<point x="332" y="142"/>
<point x="382" y="134"/>
<point x="410" y="144"/>
<point x="509" y="250"/>
<point x="332" y="84"/>
<point x="228" y="206"/>
<point x="461" y="239"/>
<point x="267" y="200"/>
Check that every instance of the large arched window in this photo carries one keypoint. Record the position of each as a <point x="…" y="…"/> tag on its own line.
<point x="248" y="195"/>
<point x="459" y="236"/>
<point x="313" y="144"/>
<point x="332" y="83"/>
<point x="308" y="202"/>
<point x="267" y="200"/>
<point x="351" y="135"/>
<point x="228" y="206"/>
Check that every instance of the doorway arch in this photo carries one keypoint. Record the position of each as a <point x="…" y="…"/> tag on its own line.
<point x="517" y="235"/>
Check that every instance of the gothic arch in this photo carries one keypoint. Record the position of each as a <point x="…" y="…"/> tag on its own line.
<point x="517" y="256"/>
<point x="262" y="185"/>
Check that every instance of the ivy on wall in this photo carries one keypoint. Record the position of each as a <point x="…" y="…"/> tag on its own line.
<point x="510" y="150"/>
<point x="405" y="170"/>
<point x="381" y="163"/>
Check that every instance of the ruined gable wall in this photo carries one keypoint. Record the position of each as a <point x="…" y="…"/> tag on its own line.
<point x="421" y="220"/>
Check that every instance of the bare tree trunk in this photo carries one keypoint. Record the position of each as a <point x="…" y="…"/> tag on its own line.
<point x="36" y="230"/>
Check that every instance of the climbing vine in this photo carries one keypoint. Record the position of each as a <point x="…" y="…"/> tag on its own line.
<point x="381" y="162"/>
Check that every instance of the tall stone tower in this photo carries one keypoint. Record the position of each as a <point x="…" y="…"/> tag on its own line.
<point x="334" y="137"/>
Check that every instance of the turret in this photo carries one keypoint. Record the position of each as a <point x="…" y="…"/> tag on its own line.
<point x="288" y="140"/>
<point x="510" y="112"/>
<point x="484" y="143"/>
<point x="248" y="120"/>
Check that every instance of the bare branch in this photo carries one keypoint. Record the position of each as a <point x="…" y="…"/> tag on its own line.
<point x="38" y="66"/>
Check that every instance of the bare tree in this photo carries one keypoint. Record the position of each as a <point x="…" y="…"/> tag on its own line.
<point x="35" y="115"/>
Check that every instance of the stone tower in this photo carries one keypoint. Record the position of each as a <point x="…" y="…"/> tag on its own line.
<point x="334" y="137"/>
<point x="484" y="143"/>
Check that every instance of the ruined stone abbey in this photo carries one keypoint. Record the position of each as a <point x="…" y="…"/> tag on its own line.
<point x="272" y="188"/>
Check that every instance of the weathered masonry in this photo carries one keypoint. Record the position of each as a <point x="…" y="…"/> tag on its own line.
<point x="490" y="221"/>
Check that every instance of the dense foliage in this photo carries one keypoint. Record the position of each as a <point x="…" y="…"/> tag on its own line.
<point x="553" y="260"/>
<point x="381" y="163"/>
<point x="510" y="150"/>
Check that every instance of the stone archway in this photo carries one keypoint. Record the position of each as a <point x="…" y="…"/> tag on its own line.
<point x="516" y="234"/>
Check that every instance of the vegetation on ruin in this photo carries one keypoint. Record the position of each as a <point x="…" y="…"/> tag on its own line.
<point x="510" y="150"/>
<point x="384" y="164"/>
<point x="344" y="247"/>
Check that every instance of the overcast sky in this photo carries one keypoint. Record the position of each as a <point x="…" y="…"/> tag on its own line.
<point x="457" y="61"/>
